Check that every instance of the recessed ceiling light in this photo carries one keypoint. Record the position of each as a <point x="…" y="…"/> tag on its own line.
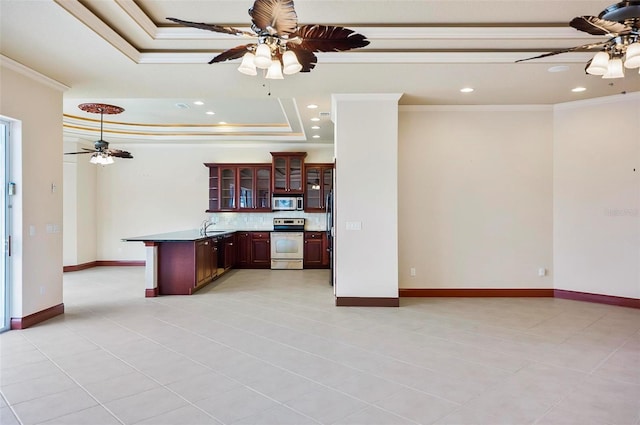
<point x="315" y="127"/>
<point x="210" y="113"/>
<point x="315" y="136"/>
<point x="312" y="106"/>
<point x="198" y="102"/>
<point x="466" y="90"/>
<point x="558" y="68"/>
<point x="315" y="119"/>
<point x="578" y="89"/>
<point x="222" y="122"/>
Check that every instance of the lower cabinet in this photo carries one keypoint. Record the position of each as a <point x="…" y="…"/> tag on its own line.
<point x="206" y="261"/>
<point x="253" y="250"/>
<point x="316" y="255"/>
<point x="261" y="250"/>
<point x="227" y="251"/>
<point x="243" y="249"/>
<point x="185" y="267"/>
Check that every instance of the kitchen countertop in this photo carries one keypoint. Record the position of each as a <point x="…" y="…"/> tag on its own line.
<point x="179" y="236"/>
<point x="193" y="235"/>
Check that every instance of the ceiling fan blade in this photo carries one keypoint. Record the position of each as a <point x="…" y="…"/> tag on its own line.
<point x="119" y="153"/>
<point x="306" y="58"/>
<point x="275" y="16"/>
<point x="597" y="26"/>
<point x="77" y="153"/>
<point x="327" y="38"/>
<point x="571" y="49"/>
<point x="212" y="27"/>
<point x="234" y="53"/>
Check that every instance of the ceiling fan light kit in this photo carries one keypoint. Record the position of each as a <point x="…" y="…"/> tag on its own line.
<point x="281" y="46"/>
<point x="621" y="23"/>
<point x="248" y="65"/>
<point x="101" y="159"/>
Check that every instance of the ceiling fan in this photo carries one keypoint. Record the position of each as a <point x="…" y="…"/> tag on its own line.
<point x="280" y="45"/>
<point x="621" y="23"/>
<point x="101" y="154"/>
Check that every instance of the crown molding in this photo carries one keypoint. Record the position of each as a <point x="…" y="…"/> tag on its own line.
<point x="622" y="97"/>
<point x="101" y="28"/>
<point x="368" y="56"/>
<point x="474" y="108"/>
<point x="34" y="75"/>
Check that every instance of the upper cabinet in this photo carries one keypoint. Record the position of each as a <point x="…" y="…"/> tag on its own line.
<point x="318" y="184"/>
<point x="288" y="172"/>
<point x="254" y="184"/>
<point x="239" y="187"/>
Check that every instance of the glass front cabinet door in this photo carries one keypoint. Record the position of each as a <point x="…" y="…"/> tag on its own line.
<point x="318" y="183"/>
<point x="288" y="169"/>
<point x="239" y="187"/>
<point x="255" y="188"/>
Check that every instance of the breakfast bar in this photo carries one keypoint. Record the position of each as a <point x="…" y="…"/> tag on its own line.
<point x="182" y="262"/>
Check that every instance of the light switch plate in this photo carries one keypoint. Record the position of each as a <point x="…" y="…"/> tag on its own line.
<point x="354" y="225"/>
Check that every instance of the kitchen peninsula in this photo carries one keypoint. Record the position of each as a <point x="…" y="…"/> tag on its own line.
<point x="183" y="262"/>
<point x="180" y="263"/>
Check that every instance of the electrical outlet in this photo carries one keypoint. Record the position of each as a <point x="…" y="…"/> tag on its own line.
<point x="413" y="271"/>
<point x="542" y="272"/>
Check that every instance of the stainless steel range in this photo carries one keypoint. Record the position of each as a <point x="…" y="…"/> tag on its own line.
<point x="287" y="243"/>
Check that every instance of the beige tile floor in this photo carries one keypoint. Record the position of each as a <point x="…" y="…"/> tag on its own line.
<point x="270" y="347"/>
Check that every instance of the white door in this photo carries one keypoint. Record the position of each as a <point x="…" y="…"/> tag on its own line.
<point x="4" y="226"/>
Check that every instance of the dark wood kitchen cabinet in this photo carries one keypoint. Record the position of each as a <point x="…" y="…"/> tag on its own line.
<point x="226" y="251"/>
<point x="253" y="250"/>
<point x="185" y="267"/>
<point x="243" y="249"/>
<point x="288" y="172"/>
<point x="205" y="262"/>
<point x="316" y="255"/>
<point x="239" y="187"/>
<point x="254" y="183"/>
<point x="261" y="250"/>
<point x="318" y="184"/>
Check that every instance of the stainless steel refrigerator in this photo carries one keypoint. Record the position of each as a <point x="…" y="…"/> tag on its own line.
<point x="330" y="232"/>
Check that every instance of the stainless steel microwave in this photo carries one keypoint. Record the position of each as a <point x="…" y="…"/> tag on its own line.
<point x="287" y="203"/>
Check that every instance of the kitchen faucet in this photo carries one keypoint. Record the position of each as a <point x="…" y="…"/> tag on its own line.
<point x="205" y="225"/>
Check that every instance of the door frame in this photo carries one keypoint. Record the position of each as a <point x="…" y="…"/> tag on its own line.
<point x="5" y="225"/>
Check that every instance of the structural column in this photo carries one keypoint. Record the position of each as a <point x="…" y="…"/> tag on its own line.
<point x="366" y="199"/>
<point x="151" y="269"/>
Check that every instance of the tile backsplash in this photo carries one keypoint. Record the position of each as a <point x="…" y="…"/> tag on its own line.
<point x="263" y="221"/>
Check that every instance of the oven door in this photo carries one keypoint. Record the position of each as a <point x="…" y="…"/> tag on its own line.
<point x="287" y="245"/>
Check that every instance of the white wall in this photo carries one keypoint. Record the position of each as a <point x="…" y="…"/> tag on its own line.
<point x="476" y="185"/>
<point x="164" y="188"/>
<point x="79" y="236"/>
<point x="475" y="196"/>
<point x="597" y="196"/>
<point x="36" y="102"/>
